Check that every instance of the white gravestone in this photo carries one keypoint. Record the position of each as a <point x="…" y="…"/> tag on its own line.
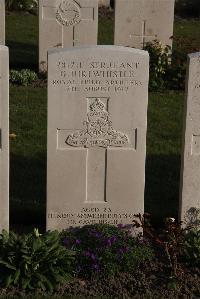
<point x="4" y="138"/>
<point x="2" y="22"/>
<point x="66" y="23"/>
<point x="97" y="119"/>
<point x="140" y="21"/>
<point x="190" y="171"/>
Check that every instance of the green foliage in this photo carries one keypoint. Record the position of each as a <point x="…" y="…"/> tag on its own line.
<point x="106" y="250"/>
<point x="177" y="70"/>
<point x="167" y="68"/>
<point x="192" y="247"/>
<point x="21" y="4"/>
<point x="159" y="63"/>
<point x="24" y="77"/>
<point x="169" y="241"/>
<point x="175" y="76"/>
<point x="34" y="261"/>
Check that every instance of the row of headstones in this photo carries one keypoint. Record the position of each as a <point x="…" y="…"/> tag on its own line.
<point x="97" y="121"/>
<point x="70" y="23"/>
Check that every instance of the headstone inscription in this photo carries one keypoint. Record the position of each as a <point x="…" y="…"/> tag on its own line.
<point x="4" y="138"/>
<point x="140" y="21"/>
<point x="97" y="118"/>
<point x="190" y="170"/>
<point x="2" y="22"/>
<point x="66" y="23"/>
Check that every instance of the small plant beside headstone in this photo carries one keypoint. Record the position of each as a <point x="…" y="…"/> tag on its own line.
<point x="34" y="261"/>
<point x="106" y="250"/>
<point x="23" y="77"/>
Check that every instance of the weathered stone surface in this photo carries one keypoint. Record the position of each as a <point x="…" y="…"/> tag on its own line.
<point x="2" y="22"/>
<point x="140" y="21"/>
<point x="4" y="141"/>
<point x="97" y="118"/>
<point x="190" y="170"/>
<point x="66" y="23"/>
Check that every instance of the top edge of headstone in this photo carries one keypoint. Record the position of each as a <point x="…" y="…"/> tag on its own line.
<point x="103" y="47"/>
<point x="194" y="55"/>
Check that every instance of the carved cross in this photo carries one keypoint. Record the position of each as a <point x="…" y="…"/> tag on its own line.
<point x="97" y="137"/>
<point x="66" y="14"/>
<point x="143" y="34"/>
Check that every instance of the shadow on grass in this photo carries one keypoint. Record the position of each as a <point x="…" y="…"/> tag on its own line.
<point x="27" y="190"/>
<point x="23" y="55"/>
<point x="162" y="186"/>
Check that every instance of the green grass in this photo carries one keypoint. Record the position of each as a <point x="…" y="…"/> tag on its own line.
<point x="188" y="29"/>
<point x="22" y="40"/>
<point x="163" y="153"/>
<point x="28" y="112"/>
<point x="106" y="31"/>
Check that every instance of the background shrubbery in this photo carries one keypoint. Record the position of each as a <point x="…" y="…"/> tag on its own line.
<point x="167" y="67"/>
<point x="188" y="8"/>
<point x="21" y="4"/>
<point x="184" y="8"/>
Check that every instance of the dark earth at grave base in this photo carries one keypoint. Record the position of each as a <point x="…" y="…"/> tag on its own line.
<point x="151" y="280"/>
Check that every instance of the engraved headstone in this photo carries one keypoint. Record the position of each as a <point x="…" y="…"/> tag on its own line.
<point x="2" y="22"/>
<point x="4" y="139"/>
<point x="66" y="23"/>
<point x="140" y="21"/>
<point x="97" y="118"/>
<point x="190" y="170"/>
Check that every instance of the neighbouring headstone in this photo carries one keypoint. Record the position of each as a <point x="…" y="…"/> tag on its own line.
<point x="104" y="3"/>
<point x="4" y="138"/>
<point x="97" y="119"/>
<point x="190" y="170"/>
<point x="66" y="23"/>
<point x="2" y="22"/>
<point x="140" y="21"/>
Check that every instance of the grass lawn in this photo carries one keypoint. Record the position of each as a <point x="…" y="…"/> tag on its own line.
<point x="28" y="153"/>
<point x="22" y="39"/>
<point x="28" y="112"/>
<point x="189" y="29"/>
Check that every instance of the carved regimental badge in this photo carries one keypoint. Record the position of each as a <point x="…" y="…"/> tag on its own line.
<point x="98" y="131"/>
<point x="68" y="13"/>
